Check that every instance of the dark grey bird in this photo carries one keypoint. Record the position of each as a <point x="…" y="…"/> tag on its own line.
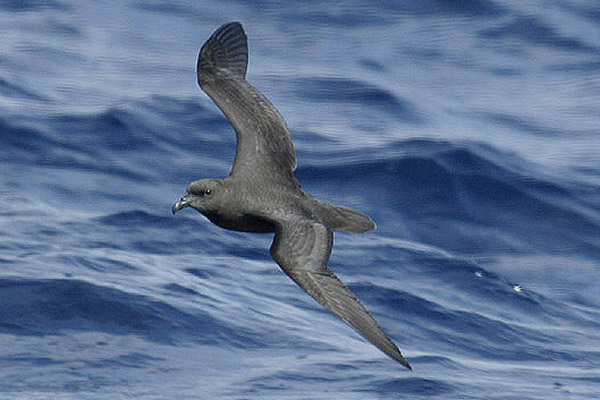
<point x="261" y="194"/>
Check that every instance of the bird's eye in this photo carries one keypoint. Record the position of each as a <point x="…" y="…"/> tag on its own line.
<point x="200" y="192"/>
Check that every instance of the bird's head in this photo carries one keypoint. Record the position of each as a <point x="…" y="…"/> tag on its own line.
<point x="201" y="195"/>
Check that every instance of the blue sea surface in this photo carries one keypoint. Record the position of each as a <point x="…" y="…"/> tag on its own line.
<point x="469" y="131"/>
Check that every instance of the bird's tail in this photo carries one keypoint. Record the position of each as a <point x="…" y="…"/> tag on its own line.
<point x="345" y="219"/>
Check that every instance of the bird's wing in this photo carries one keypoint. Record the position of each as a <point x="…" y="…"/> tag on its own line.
<point x="264" y="142"/>
<point x="301" y="248"/>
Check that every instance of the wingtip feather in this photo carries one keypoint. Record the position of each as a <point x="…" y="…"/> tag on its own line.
<point x="226" y="49"/>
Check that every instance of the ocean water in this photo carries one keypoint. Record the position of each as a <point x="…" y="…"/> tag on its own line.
<point x="468" y="130"/>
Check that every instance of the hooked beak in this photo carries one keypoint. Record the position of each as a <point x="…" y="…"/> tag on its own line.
<point x="182" y="203"/>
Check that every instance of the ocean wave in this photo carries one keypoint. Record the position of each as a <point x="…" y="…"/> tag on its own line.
<point x="57" y="306"/>
<point x="534" y="31"/>
<point x="33" y="5"/>
<point x="352" y="92"/>
<point x="484" y="263"/>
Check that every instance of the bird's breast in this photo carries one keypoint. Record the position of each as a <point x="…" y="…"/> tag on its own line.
<point x="242" y="222"/>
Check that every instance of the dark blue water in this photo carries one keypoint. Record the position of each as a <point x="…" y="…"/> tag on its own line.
<point x="468" y="130"/>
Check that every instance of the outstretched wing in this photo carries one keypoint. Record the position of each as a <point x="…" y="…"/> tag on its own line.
<point x="302" y="248"/>
<point x="264" y="142"/>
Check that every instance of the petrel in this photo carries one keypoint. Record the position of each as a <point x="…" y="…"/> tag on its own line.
<point x="261" y="194"/>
